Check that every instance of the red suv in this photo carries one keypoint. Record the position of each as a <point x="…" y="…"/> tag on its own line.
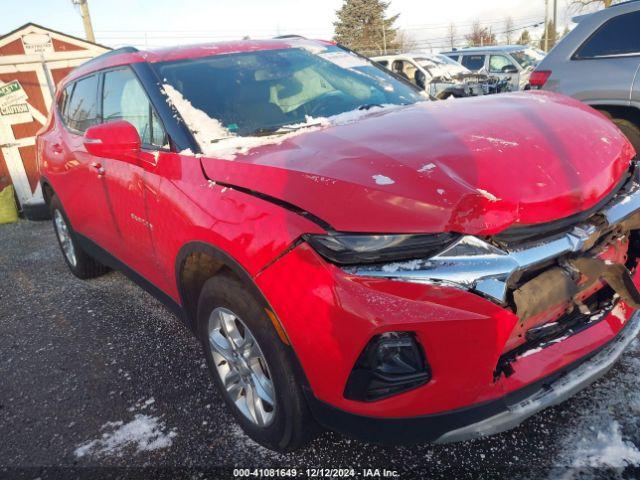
<point x="349" y="253"/>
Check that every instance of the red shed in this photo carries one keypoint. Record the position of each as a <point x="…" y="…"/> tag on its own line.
<point x="33" y="59"/>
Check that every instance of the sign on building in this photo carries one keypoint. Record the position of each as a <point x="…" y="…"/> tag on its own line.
<point x="33" y="59"/>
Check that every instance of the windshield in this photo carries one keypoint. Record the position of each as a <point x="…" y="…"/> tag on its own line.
<point x="527" y="58"/>
<point x="253" y="93"/>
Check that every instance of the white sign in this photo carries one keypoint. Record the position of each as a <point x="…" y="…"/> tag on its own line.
<point x="11" y="93"/>
<point x="36" y="43"/>
<point x="344" y="59"/>
<point x="16" y="113"/>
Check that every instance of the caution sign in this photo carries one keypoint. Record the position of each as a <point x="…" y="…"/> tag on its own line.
<point x="14" y="114"/>
<point x="12" y="93"/>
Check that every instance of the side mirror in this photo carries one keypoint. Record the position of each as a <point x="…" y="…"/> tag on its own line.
<point x="509" y="69"/>
<point x="118" y="140"/>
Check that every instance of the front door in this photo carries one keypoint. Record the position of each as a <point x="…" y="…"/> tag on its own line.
<point x="128" y="185"/>
<point x="503" y="67"/>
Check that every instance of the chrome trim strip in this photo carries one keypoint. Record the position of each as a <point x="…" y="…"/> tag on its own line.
<point x="473" y="264"/>
<point x="552" y="394"/>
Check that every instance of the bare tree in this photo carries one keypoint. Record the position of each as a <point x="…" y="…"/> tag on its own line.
<point x="480" y="36"/>
<point x="405" y="42"/>
<point x="580" y="4"/>
<point x="508" y="30"/>
<point x="451" y="35"/>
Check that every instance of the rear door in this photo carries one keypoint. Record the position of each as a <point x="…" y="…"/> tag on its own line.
<point x="603" y="68"/>
<point x="129" y="185"/>
<point x="78" y="176"/>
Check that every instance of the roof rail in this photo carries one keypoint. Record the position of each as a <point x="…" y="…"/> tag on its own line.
<point x="282" y="37"/>
<point x="110" y="53"/>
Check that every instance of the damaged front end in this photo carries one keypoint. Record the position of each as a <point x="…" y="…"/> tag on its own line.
<point x="463" y="85"/>
<point x="558" y="278"/>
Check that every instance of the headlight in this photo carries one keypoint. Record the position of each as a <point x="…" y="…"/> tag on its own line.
<point x="357" y="249"/>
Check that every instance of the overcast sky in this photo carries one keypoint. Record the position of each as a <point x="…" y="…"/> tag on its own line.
<point x="165" y="22"/>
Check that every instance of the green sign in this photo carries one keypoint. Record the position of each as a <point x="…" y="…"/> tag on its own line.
<point x="10" y="88"/>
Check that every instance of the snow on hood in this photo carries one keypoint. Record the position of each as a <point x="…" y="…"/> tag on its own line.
<point x="217" y="141"/>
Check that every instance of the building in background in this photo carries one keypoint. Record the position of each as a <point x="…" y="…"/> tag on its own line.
<point x="33" y="59"/>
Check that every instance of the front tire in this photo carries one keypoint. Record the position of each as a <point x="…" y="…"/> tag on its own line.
<point x="81" y="264"/>
<point x="251" y="366"/>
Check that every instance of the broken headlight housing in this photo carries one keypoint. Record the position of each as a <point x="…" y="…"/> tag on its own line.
<point x="391" y="363"/>
<point x="357" y="249"/>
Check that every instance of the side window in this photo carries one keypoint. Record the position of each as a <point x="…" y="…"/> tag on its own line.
<point x="63" y="101"/>
<point x="498" y="62"/>
<point x="619" y="36"/>
<point x="384" y="63"/>
<point x="473" y="62"/>
<point x="81" y="109"/>
<point x="123" y="98"/>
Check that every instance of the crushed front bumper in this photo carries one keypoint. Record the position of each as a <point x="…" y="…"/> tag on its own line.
<point x="483" y="419"/>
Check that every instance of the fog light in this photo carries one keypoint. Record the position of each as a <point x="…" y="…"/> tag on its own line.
<point x="391" y="363"/>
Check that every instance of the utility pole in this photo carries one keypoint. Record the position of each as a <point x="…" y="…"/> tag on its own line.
<point x="86" y="19"/>
<point x="384" y="37"/>
<point x="546" y="25"/>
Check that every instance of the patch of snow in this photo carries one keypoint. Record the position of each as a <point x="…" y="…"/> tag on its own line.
<point x="204" y="128"/>
<point x="489" y="196"/>
<point x="608" y="449"/>
<point x="382" y="180"/>
<point x="144" y="433"/>
<point x="495" y="141"/>
<point x="411" y="265"/>
<point x="427" y="168"/>
<point x="531" y="352"/>
<point x="605" y="140"/>
<point x="440" y="191"/>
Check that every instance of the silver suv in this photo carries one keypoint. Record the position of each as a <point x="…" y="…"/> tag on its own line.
<point x="599" y="64"/>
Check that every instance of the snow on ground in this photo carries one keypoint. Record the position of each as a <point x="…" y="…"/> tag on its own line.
<point x="143" y="433"/>
<point x="596" y="446"/>
<point x="217" y="141"/>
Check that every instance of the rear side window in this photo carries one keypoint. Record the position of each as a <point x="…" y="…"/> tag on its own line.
<point x="384" y="63"/>
<point x="619" y="36"/>
<point x="125" y="99"/>
<point x="473" y="62"/>
<point x="81" y="109"/>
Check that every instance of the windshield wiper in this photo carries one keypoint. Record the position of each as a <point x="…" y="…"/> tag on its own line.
<point x="264" y="131"/>
<point x="369" y="106"/>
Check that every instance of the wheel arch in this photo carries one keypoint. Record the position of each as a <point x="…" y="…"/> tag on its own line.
<point x="616" y="110"/>
<point x="196" y="263"/>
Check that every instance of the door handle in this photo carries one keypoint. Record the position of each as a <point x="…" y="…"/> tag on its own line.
<point x="98" y="167"/>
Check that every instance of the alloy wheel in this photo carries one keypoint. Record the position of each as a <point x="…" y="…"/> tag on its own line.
<point x="242" y="367"/>
<point x="62" y="231"/>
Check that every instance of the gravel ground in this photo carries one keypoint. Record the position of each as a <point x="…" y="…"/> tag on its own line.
<point x="98" y="379"/>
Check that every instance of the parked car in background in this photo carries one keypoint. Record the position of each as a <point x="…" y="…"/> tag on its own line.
<point x="512" y="62"/>
<point x="347" y="252"/>
<point x="442" y="77"/>
<point x="598" y="62"/>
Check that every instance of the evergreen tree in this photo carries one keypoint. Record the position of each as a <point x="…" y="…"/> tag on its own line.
<point x="362" y="26"/>
<point x="553" y="35"/>
<point x="525" y="38"/>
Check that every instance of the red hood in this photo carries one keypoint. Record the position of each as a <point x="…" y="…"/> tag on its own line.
<point x="474" y="166"/>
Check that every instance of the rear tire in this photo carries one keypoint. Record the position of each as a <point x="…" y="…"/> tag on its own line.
<point x="81" y="264"/>
<point x="289" y="424"/>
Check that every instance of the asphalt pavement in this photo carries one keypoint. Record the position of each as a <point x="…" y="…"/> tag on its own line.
<point x="98" y="379"/>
